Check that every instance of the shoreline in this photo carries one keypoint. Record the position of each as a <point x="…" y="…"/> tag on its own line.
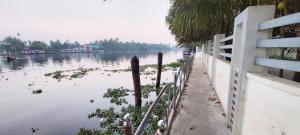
<point x="55" y="52"/>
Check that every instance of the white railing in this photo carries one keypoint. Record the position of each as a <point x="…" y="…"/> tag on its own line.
<point x="226" y="46"/>
<point x="251" y="40"/>
<point x="226" y="39"/>
<point x="281" y="64"/>
<point x="282" y="21"/>
<point x="276" y="43"/>
<point x="226" y="55"/>
<point x="222" y="46"/>
<point x="279" y="43"/>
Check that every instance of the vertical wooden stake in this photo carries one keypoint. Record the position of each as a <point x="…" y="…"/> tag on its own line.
<point x="136" y="80"/>
<point x="159" y="67"/>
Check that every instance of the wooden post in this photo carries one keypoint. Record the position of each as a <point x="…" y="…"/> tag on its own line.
<point x="136" y="81"/>
<point x="159" y="66"/>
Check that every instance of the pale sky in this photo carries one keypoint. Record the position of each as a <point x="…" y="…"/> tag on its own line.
<point x="86" y="20"/>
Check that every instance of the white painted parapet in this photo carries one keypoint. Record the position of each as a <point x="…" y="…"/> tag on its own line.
<point x="271" y="106"/>
<point x="255" y="103"/>
<point x="216" y="51"/>
<point x="245" y="37"/>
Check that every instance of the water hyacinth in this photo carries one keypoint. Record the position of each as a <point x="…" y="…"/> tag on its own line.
<point x="111" y="120"/>
<point x="117" y="95"/>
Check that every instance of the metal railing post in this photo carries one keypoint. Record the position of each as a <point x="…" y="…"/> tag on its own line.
<point x="127" y="125"/>
<point x="161" y="127"/>
<point x="174" y="91"/>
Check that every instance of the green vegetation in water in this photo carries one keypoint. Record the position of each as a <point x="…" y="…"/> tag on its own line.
<point x="111" y="120"/>
<point x="39" y="91"/>
<point x="117" y="95"/>
<point x="76" y="73"/>
<point x="147" y="89"/>
<point x="150" y="69"/>
<point x="86" y="131"/>
<point x="176" y="64"/>
<point x="118" y="70"/>
<point x="79" y="74"/>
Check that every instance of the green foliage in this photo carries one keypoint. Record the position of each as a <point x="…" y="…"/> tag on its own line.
<point x="37" y="45"/>
<point x="115" y="44"/>
<point x="198" y="20"/>
<point x="39" y="91"/>
<point x="80" y="73"/>
<point x="147" y="89"/>
<point x="85" y="131"/>
<point x="278" y="57"/>
<point x="176" y="64"/>
<point x="111" y="120"/>
<point x="12" y="44"/>
<point x="69" y="74"/>
<point x="117" y="95"/>
<point x="146" y="69"/>
<point x="58" y="45"/>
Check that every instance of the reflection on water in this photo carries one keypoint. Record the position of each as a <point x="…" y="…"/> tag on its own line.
<point x="34" y="103"/>
<point x="42" y="59"/>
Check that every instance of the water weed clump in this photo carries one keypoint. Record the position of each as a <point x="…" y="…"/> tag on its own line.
<point x="111" y="119"/>
<point x="69" y="74"/>
<point x="147" y="89"/>
<point x="38" y="91"/>
<point x="117" y="95"/>
<point x="176" y="64"/>
<point x="150" y="69"/>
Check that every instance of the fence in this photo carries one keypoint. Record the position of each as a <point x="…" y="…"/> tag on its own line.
<point x="173" y="93"/>
<point x="255" y="102"/>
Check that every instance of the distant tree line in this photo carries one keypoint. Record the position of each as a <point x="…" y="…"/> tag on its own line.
<point x="115" y="44"/>
<point x="16" y="45"/>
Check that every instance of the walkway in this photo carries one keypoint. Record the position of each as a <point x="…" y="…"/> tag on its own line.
<point x="200" y="112"/>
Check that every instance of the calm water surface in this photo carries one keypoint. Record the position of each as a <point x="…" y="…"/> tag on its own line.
<point x="63" y="106"/>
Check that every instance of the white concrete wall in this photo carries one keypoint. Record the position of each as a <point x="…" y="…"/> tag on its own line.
<point x="208" y="63"/>
<point x="221" y="78"/>
<point x="209" y="66"/>
<point x="222" y="81"/>
<point x="264" y="104"/>
<point x="272" y="106"/>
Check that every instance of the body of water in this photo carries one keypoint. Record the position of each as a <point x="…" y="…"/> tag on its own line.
<point x="29" y="99"/>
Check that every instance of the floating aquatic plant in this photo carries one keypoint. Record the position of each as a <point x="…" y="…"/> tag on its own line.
<point x="111" y="121"/>
<point x="117" y="95"/>
<point x="39" y="91"/>
<point x="76" y="73"/>
<point x="150" y="69"/>
<point x="176" y="64"/>
<point x="147" y="89"/>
